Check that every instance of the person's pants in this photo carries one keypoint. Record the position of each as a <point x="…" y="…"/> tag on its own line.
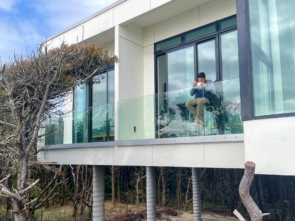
<point x="199" y="102"/>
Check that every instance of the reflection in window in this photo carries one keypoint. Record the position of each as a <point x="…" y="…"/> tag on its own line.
<point x="272" y="30"/>
<point x="168" y="43"/>
<point x="80" y="115"/>
<point x="99" y="108"/>
<point x="207" y="59"/>
<point x="111" y="101"/>
<point x="200" y="32"/>
<point x="229" y="55"/>
<point x="103" y="97"/>
<point x="228" y="23"/>
<point x="181" y="69"/>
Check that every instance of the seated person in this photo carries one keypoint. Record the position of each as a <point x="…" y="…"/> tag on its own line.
<point x="197" y="90"/>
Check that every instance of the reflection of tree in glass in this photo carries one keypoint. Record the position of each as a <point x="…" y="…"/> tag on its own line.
<point x="231" y="114"/>
<point x="172" y="114"/>
<point x="54" y="132"/>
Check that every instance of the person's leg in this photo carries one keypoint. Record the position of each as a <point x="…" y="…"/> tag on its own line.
<point x="190" y="106"/>
<point x="200" y="106"/>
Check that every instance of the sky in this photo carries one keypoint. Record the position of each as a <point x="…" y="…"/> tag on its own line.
<point x="25" y="23"/>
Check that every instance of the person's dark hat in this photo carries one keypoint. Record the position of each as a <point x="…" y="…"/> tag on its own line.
<point x="201" y="75"/>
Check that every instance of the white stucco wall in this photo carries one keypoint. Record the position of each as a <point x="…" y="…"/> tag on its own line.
<point x="270" y="144"/>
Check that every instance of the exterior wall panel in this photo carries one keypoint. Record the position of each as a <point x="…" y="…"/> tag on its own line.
<point x="110" y="46"/>
<point x="186" y="155"/>
<point x="157" y="3"/>
<point x="98" y="24"/>
<point x="215" y="10"/>
<point x="129" y="10"/>
<point x="270" y="144"/>
<point x="98" y="156"/>
<point x="176" y="25"/>
<point x="215" y="155"/>
<point x="224" y="155"/>
<point x="133" y="156"/>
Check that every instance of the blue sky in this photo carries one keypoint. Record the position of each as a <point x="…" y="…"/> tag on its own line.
<point x="25" y="23"/>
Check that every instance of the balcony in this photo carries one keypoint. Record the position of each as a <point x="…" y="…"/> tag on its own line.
<point x="155" y="119"/>
<point x="84" y="127"/>
<point x="164" y="119"/>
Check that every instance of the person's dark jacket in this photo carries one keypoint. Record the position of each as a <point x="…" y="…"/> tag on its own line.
<point x="208" y="90"/>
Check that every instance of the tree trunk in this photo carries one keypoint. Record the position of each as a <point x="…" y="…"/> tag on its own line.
<point x="258" y="192"/>
<point x="163" y="187"/>
<point x="119" y="187"/>
<point x="253" y="210"/>
<point x="282" y="200"/>
<point x="290" y="196"/>
<point x="8" y="202"/>
<point x="75" y="208"/>
<point x="187" y="201"/>
<point x="113" y="185"/>
<point x="178" y="189"/>
<point x="221" y="192"/>
<point x="159" y="186"/>
<point x="45" y="183"/>
<point x="142" y="186"/>
<point x="214" y="188"/>
<point x="90" y="210"/>
<point x="231" y="197"/>
<point x="62" y="196"/>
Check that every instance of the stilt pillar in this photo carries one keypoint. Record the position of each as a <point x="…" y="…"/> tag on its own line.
<point x="196" y="194"/>
<point x="98" y="193"/>
<point x="151" y="193"/>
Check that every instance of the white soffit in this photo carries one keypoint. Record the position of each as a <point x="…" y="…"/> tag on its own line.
<point x="166" y="11"/>
<point x="102" y="38"/>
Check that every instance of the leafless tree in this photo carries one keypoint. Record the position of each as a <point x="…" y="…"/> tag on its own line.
<point x="253" y="210"/>
<point x="33" y="87"/>
<point x="138" y="179"/>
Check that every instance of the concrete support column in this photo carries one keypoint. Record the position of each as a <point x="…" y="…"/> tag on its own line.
<point x="151" y="193"/>
<point x="98" y="193"/>
<point x="196" y="194"/>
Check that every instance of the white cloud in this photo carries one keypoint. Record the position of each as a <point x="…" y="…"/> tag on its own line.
<point x="22" y="29"/>
<point x="23" y="35"/>
<point x="7" y="5"/>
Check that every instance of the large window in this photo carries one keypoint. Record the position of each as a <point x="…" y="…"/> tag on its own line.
<point x="212" y="49"/>
<point x="93" y="115"/>
<point x="272" y="32"/>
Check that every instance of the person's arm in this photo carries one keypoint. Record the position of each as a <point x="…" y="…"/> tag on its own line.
<point x="193" y="91"/>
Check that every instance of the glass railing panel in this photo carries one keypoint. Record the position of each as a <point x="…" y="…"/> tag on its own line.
<point x="136" y="118"/>
<point x="165" y="115"/>
<point x="102" y="121"/>
<point x="95" y="124"/>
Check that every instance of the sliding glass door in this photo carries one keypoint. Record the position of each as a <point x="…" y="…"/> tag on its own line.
<point x="93" y="115"/>
<point x="103" y="96"/>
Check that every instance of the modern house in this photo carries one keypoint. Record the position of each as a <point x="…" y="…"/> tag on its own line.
<point x="136" y="115"/>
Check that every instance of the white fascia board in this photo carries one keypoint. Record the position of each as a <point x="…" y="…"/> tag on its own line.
<point x="97" y="14"/>
<point x="106" y="19"/>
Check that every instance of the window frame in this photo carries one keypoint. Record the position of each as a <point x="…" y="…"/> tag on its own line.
<point x="89" y="86"/>
<point x="245" y="63"/>
<point x="216" y="36"/>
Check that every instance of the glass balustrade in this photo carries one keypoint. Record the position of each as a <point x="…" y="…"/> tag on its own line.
<point x="165" y="115"/>
<point x="94" y="124"/>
